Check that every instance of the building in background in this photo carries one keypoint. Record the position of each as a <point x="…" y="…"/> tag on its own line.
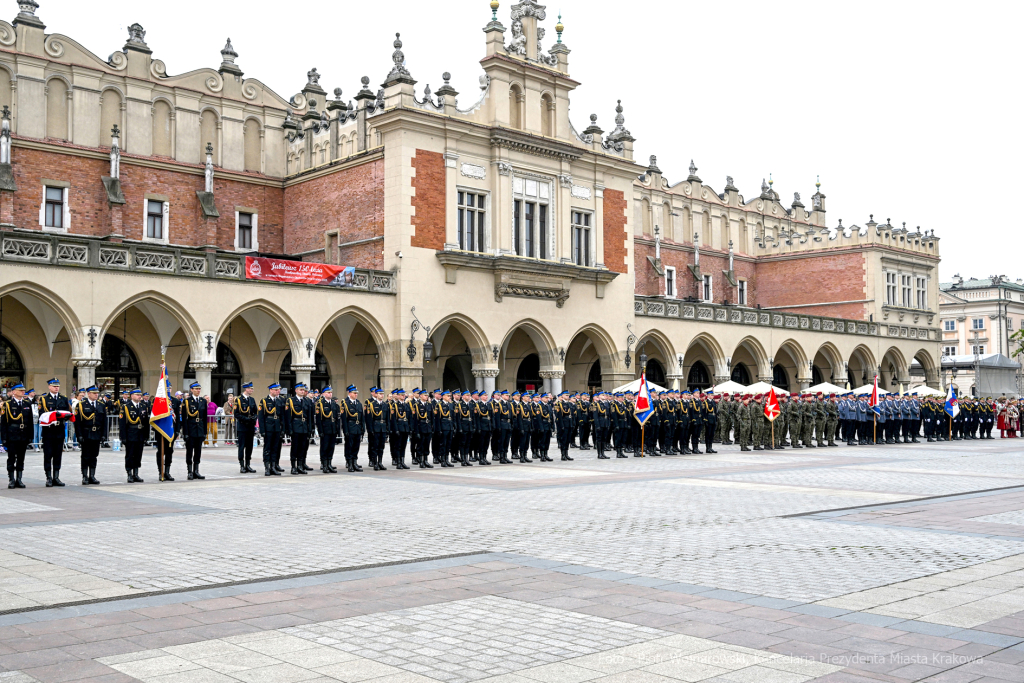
<point x="403" y="237"/>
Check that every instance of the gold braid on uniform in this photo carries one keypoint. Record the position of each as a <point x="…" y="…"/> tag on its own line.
<point x="369" y="406"/>
<point x="266" y="409"/>
<point x="81" y="413"/>
<point x="128" y="417"/>
<point x="291" y="407"/>
<point x="239" y="408"/>
<point x="189" y="411"/>
<point x="10" y="415"/>
<point x="348" y="410"/>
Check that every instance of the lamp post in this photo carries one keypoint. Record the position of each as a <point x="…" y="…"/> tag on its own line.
<point x="428" y="346"/>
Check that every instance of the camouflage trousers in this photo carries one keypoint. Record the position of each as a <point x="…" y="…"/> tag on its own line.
<point x="743" y="433"/>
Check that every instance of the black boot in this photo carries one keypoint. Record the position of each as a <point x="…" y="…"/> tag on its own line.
<point x="191" y="476"/>
<point x="293" y="470"/>
<point x="18" y="483"/>
<point x="85" y="475"/>
<point x="300" y="467"/>
<point x="49" y="480"/>
<point x="380" y="463"/>
<point x="195" y="471"/>
<point x="330" y="466"/>
<point x="10" y="479"/>
<point x="167" y="473"/>
<point x="138" y="479"/>
<point x="241" y="466"/>
<point x="56" y="478"/>
<point x="248" y="466"/>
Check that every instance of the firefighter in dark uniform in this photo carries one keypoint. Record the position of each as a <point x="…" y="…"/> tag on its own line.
<point x="502" y="412"/>
<point x="564" y="423"/>
<point x="422" y="428"/>
<point x="16" y="427"/>
<point x="327" y="414"/>
<point x="352" y="427"/>
<point x="297" y="420"/>
<point x="53" y="434"/>
<point x="376" y="414"/>
<point x="91" y="428"/>
<point x="464" y="428"/>
<point x="444" y="428"/>
<point x="193" y="429"/>
<point x="401" y="427"/>
<point x="245" y="411"/>
<point x="709" y="409"/>
<point x="271" y="430"/>
<point x="133" y="426"/>
<point x="484" y="426"/>
<point x="696" y="424"/>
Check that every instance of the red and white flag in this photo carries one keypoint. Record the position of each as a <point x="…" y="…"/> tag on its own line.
<point x="771" y="406"/>
<point x="49" y="417"/>
<point x="873" y="401"/>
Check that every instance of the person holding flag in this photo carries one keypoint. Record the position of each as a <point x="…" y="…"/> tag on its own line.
<point x="772" y="410"/>
<point x="643" y="409"/>
<point x="952" y="408"/>
<point x="876" y="412"/>
<point x="162" y="420"/>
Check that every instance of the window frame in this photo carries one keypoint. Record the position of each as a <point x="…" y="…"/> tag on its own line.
<point x="977" y="349"/>
<point x="532" y="227"/>
<point x="949" y="325"/>
<point x="975" y="325"/>
<point x="891" y="291"/>
<point x="922" y="292"/>
<point x="481" y="219"/>
<point x="906" y="290"/>
<point x="165" y="219"/>
<point x="707" y="289"/>
<point x="254" y="242"/>
<point x="581" y="234"/>
<point x="65" y="210"/>
<point x="741" y="292"/>
<point x="671" y="283"/>
<point x="946" y="349"/>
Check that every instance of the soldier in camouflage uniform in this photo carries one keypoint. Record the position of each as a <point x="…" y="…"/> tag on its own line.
<point x="743" y="423"/>
<point x="796" y="421"/>
<point x="756" y="411"/>
<point x="831" y="420"/>
<point x="766" y="428"/>
<point x="781" y="422"/>
<point x="807" y="418"/>
<point x="820" y="419"/>
<point x="727" y="418"/>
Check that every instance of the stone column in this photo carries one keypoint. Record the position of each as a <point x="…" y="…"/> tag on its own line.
<point x="485" y="379"/>
<point x="676" y="381"/>
<point x="395" y="378"/>
<point x="302" y="373"/>
<point x="204" y="375"/>
<point x="86" y="372"/>
<point x="804" y="382"/>
<point x="720" y="379"/>
<point x="552" y="380"/>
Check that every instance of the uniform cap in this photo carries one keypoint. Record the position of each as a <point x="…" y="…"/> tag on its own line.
<point x="466" y="393"/>
<point x="53" y="381"/>
<point x="275" y="385"/>
<point x="145" y="393"/>
<point x="794" y="395"/>
<point x="326" y="389"/>
<point x="88" y="391"/>
<point x="446" y="393"/>
<point x="19" y="386"/>
<point x="247" y="385"/>
<point x="136" y="391"/>
<point x="195" y="385"/>
<point x="351" y="388"/>
<point x="300" y="385"/>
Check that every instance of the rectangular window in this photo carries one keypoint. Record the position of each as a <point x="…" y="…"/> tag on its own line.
<point x="54" y="207"/>
<point x="708" y="291"/>
<point x="581" y="238"/>
<point x="890" y="289"/>
<point x="472" y="207"/>
<point x="742" y="292"/>
<point x="977" y="323"/>
<point x="245" y="231"/>
<point x="905" y="281"/>
<point x="154" y="219"/>
<point x="670" y="282"/>
<point x="978" y="350"/>
<point x="531" y="226"/>
<point x="949" y="351"/>
<point x="949" y="325"/>
<point x="922" y="293"/>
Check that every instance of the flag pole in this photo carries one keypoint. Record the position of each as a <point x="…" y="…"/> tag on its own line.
<point x="163" y="378"/>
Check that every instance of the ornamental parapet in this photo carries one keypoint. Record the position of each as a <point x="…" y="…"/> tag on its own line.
<point x="130" y="256"/>
<point x="702" y="312"/>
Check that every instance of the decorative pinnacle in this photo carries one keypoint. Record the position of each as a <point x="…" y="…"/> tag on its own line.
<point x="6" y="113"/>
<point x="28" y="7"/>
<point x="559" y="27"/>
<point x="693" y="168"/>
<point x="228" y="53"/>
<point x="337" y="94"/>
<point x="209" y="149"/>
<point x="770" y="181"/>
<point x="494" y="10"/>
<point x="365" y="80"/>
<point x="115" y="132"/>
<point x="817" y="184"/>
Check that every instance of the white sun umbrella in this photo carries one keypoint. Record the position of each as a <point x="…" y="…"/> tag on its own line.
<point x="764" y="388"/>
<point x="730" y="387"/>
<point x="825" y="388"/>
<point x="634" y="387"/>
<point x="867" y="389"/>
<point x="925" y="390"/>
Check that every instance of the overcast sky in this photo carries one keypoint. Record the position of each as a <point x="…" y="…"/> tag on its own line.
<point x="907" y="110"/>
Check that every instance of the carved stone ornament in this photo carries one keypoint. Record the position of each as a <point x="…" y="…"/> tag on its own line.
<point x="137" y="35"/>
<point x="518" y="44"/>
<point x="504" y="168"/>
<point x="529" y="8"/>
<point x="580" y="192"/>
<point x="313" y="77"/>
<point x="474" y="171"/>
<point x="398" y="72"/>
<point x="504" y="289"/>
<point x="565" y="180"/>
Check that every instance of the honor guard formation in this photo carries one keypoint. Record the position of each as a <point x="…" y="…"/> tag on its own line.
<point x="446" y="428"/>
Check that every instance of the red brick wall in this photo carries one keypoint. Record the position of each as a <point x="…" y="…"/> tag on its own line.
<point x="91" y="214"/>
<point x="430" y="217"/>
<point x="614" y="229"/>
<point x="350" y="201"/>
<point x="649" y="283"/>
<point x="815" y="278"/>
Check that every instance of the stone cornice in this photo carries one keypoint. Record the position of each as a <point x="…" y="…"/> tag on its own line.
<point x="525" y="266"/>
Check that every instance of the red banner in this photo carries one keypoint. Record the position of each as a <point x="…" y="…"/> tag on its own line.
<point x="302" y="272"/>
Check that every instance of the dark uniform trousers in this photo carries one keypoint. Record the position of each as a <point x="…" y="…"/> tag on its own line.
<point x="53" y="435"/>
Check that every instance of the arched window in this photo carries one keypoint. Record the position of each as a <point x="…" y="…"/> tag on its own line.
<point x="162" y="129"/>
<point x="741" y="375"/>
<point x="594" y="382"/>
<point x="780" y="378"/>
<point x="816" y="377"/>
<point x="253" y="146"/>
<point x="528" y="374"/>
<point x="655" y="372"/>
<point x="318" y="379"/>
<point x="119" y="366"/>
<point x="699" y="378"/>
<point x="227" y="375"/>
<point x="110" y="114"/>
<point x="12" y="370"/>
<point x="515" y="106"/>
<point x="208" y="134"/>
<point x="547" y="115"/>
<point x="56" y="109"/>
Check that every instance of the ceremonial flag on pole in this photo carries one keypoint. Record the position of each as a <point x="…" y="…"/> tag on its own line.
<point x="160" y="418"/>
<point x="952" y="403"/>
<point x="874" y="398"/>
<point x="644" y="409"/>
<point x="771" y="406"/>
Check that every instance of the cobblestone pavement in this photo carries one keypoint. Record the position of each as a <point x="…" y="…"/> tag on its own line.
<point x="898" y="563"/>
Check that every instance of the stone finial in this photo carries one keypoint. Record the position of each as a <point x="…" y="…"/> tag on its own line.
<point x="313" y="77"/>
<point x="115" y="132"/>
<point x="27" y="14"/>
<point x="796" y="200"/>
<point x="337" y="94"/>
<point x="729" y="186"/>
<point x="228" y="53"/>
<point x="209" y="150"/>
<point x="399" y="74"/>
<point x="337" y="103"/>
<point x="136" y="35"/>
<point x="6" y="113"/>
<point x="593" y="128"/>
<point x="653" y="167"/>
<point x="28" y="7"/>
<point x="446" y="90"/>
<point x="693" y="177"/>
<point x="620" y="134"/>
